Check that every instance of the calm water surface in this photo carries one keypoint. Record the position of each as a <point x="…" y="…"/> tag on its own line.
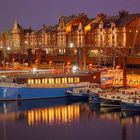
<point x="59" y="119"/>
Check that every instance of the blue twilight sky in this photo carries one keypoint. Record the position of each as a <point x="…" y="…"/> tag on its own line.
<point x="35" y="13"/>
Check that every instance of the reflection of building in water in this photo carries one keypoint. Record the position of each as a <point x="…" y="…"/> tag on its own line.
<point x="54" y="115"/>
<point x="130" y="120"/>
<point x="114" y="116"/>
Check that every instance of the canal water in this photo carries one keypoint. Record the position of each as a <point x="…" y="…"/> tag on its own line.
<point x="60" y="119"/>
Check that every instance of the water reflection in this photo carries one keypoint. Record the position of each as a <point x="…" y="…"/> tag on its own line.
<point x="84" y="117"/>
<point x="54" y="115"/>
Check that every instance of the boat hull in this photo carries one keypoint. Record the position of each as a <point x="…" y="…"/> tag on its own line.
<point x="82" y="97"/>
<point x="130" y="106"/>
<point x="13" y="93"/>
<point x="110" y="102"/>
<point x="94" y="98"/>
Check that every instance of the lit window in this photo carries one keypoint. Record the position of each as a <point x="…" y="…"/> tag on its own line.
<point x="53" y="80"/>
<point x="39" y="81"/>
<point x="78" y="79"/>
<point x="56" y="80"/>
<point x="71" y="80"/>
<point x="59" y="80"/>
<point x="50" y="80"/>
<point x="46" y="81"/>
<point x="94" y="77"/>
<point x="63" y="80"/>
<point x="29" y="81"/>
<point x="75" y="80"/>
<point x="36" y="81"/>
<point x="43" y="81"/>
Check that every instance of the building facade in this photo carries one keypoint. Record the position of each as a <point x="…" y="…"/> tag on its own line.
<point x="100" y="37"/>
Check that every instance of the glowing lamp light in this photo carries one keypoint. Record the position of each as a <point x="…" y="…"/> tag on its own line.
<point x="75" y="68"/>
<point x="71" y="45"/>
<point x="8" y="48"/>
<point x="50" y="62"/>
<point x="34" y="70"/>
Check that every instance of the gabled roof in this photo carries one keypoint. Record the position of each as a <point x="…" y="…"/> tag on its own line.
<point x="125" y="20"/>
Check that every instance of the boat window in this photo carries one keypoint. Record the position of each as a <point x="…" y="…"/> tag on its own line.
<point x="46" y="80"/>
<point x="29" y="81"/>
<point x="65" y="80"/>
<point x="78" y="79"/>
<point x="32" y="81"/>
<point x="71" y="80"/>
<point x="39" y="81"/>
<point x="43" y="81"/>
<point x="56" y="80"/>
<point x="50" y="80"/>
<point x="36" y="81"/>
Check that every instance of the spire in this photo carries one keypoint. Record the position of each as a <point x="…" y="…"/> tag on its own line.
<point x="15" y="25"/>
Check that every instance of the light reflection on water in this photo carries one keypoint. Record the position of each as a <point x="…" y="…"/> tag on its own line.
<point x="60" y="119"/>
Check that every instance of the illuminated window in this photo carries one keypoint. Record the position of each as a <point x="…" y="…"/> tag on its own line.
<point x="75" y="80"/>
<point x="130" y="82"/>
<point x="63" y="80"/>
<point x="43" y="81"/>
<point x="56" y="80"/>
<point x="71" y="80"/>
<point x="50" y="80"/>
<point x="136" y="82"/>
<point x="36" y="81"/>
<point x="78" y="79"/>
<point x="53" y="80"/>
<point x="39" y="81"/>
<point x="32" y="81"/>
<point x="94" y="77"/>
<point x="29" y="81"/>
<point x="59" y="80"/>
<point x="46" y="81"/>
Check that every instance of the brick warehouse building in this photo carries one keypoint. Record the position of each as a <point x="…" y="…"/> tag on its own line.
<point x="76" y="39"/>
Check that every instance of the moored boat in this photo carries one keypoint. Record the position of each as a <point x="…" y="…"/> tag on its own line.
<point x="110" y="100"/>
<point x="130" y="104"/>
<point x="94" y="98"/>
<point x="38" y="86"/>
<point x="74" y="96"/>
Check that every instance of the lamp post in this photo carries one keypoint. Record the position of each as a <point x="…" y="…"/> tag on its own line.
<point x="5" y="55"/>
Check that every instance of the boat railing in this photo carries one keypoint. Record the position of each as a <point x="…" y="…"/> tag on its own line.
<point x="47" y="85"/>
<point x="6" y="84"/>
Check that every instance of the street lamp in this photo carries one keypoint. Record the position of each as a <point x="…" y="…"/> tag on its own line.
<point x="71" y="45"/>
<point x="4" y="55"/>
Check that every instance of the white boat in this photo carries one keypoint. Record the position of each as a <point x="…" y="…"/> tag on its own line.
<point x="130" y="104"/>
<point x="110" y="100"/>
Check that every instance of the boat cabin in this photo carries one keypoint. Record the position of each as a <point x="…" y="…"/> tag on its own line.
<point x="72" y="78"/>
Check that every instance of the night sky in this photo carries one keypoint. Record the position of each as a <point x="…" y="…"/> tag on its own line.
<point x="35" y="13"/>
